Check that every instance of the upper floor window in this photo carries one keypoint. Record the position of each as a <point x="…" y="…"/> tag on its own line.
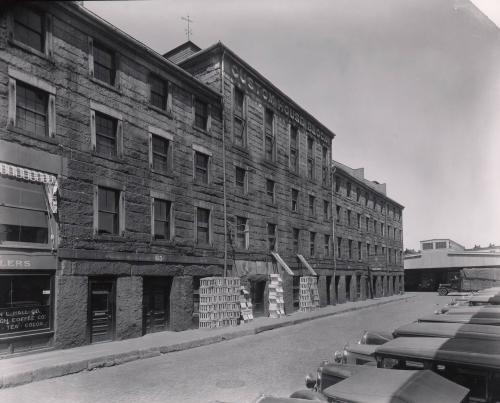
<point x="327" y="245"/>
<point x="310" y="158"/>
<point x="326" y="209"/>
<point x="295" y="234"/>
<point x="200" y="114"/>
<point x="375" y="226"/>
<point x="295" y="200"/>
<point x="367" y="224"/>
<point x="105" y="132"/>
<point x="312" y="202"/>
<point x="159" y="92"/>
<point x="104" y="64"/>
<point x="242" y="233"/>
<point x="23" y="212"/>
<point x="270" y="190"/>
<point x="338" y="210"/>
<point x="324" y="171"/>
<point x="240" y="180"/>
<point x="271" y="237"/>
<point x="29" y="28"/>
<point x="162" y="219"/>
<point x="202" y="226"/>
<point x="358" y="194"/>
<point x="382" y="229"/>
<point x="108" y="210"/>
<point x="349" y="221"/>
<point x="161" y="154"/>
<point x="360" y="251"/>
<point x="201" y="167"/>
<point x="339" y="247"/>
<point x="312" y="242"/>
<point x="358" y="220"/>
<point x="31" y="109"/>
<point x="337" y="184"/>
<point x="239" y="117"/>
<point x="349" y="189"/>
<point x="294" y="149"/>
<point x="269" y="136"/>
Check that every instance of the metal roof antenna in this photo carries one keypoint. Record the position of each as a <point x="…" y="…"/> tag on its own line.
<point x="188" y="30"/>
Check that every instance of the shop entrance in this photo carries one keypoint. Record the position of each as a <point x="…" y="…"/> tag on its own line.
<point x="156" y="304"/>
<point x="257" y="292"/>
<point x="347" y="288"/>
<point x="102" y="310"/>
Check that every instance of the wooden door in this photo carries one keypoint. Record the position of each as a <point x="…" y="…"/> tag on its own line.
<point x="101" y="311"/>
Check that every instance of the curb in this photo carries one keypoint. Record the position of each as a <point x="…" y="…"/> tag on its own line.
<point x="58" y="370"/>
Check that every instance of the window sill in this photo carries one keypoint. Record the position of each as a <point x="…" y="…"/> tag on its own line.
<point x="163" y="242"/>
<point x="113" y="88"/>
<point x="45" y="139"/>
<point x="200" y="130"/>
<point x="164" y="112"/>
<point x="25" y="245"/>
<point x="107" y="157"/>
<point x="24" y="335"/>
<point x="26" y="48"/>
<point x="170" y="175"/>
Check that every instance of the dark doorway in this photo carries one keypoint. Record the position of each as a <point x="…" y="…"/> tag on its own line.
<point x="337" y="278"/>
<point x="296" y="293"/>
<point x="358" y="287"/>
<point x="101" y="310"/>
<point x="156" y="304"/>
<point x="257" y="291"/>
<point x="374" y="284"/>
<point x="348" y="288"/>
<point x="328" y="292"/>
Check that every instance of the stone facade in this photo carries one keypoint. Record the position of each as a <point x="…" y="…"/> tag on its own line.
<point x="108" y="281"/>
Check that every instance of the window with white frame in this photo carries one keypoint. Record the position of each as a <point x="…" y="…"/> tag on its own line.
<point x="239" y="118"/>
<point x="294" y="149"/>
<point x="272" y="237"/>
<point x="295" y="200"/>
<point x="203" y="229"/>
<point x="106" y="128"/>
<point x="310" y="158"/>
<point x="201" y="167"/>
<point x="108" y="211"/>
<point x="31" y="104"/>
<point x="162" y="219"/>
<point x="241" y="180"/>
<point x="269" y="135"/>
<point x="242" y="233"/>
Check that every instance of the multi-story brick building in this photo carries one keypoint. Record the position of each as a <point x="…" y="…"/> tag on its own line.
<point x="122" y="172"/>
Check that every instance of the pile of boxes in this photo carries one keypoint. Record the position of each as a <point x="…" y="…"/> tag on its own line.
<point x="219" y="302"/>
<point x="245" y="305"/>
<point x="309" y="295"/>
<point x="276" y="301"/>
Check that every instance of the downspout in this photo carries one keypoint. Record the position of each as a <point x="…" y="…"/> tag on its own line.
<point x="224" y="161"/>
<point x="333" y="233"/>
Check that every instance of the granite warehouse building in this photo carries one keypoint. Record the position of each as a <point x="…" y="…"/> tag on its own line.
<point x="127" y="176"/>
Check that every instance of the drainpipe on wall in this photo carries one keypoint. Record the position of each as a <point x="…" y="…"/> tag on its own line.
<point x="333" y="232"/>
<point x="224" y="161"/>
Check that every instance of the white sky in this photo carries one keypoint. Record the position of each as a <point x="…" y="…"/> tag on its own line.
<point x="411" y="88"/>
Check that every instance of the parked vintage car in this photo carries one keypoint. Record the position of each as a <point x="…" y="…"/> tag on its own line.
<point x="328" y="374"/>
<point x="484" y="299"/>
<point x="464" y="318"/>
<point x="437" y="329"/>
<point x="462" y="360"/>
<point x="375" y="337"/>
<point x="485" y="311"/>
<point x="382" y="385"/>
<point x="356" y="353"/>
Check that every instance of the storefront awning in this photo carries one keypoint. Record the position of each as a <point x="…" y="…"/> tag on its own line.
<point x="305" y="263"/>
<point x="282" y="263"/>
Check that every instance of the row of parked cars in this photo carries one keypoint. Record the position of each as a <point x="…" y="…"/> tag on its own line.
<point x="451" y="356"/>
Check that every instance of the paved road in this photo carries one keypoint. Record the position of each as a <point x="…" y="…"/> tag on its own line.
<point x="273" y="362"/>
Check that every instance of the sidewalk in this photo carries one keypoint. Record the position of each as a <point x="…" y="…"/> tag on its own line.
<point x="36" y="367"/>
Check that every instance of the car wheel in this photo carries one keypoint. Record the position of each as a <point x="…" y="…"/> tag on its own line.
<point x="443" y="291"/>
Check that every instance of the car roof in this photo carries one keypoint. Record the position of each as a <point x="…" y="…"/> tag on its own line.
<point x="392" y="385"/>
<point x="365" y="349"/>
<point x="462" y="318"/>
<point x="485" y="311"/>
<point x="453" y="350"/>
<point x="437" y="329"/>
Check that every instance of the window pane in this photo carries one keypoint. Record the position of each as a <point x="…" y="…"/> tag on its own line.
<point x="201" y="165"/>
<point x="104" y="64"/>
<point x="238" y="102"/>
<point x="108" y="200"/>
<point x="240" y="179"/>
<point x="200" y="114"/>
<point x="31" y="109"/>
<point x="158" y="92"/>
<point x="160" y="153"/>
<point x="29" y="28"/>
<point x="162" y="219"/>
<point x="105" y="129"/>
<point x="202" y="230"/>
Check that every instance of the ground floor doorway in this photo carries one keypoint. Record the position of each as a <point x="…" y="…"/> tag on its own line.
<point x="101" y="310"/>
<point x="337" y="279"/>
<point x="348" y="288"/>
<point x="328" y="289"/>
<point x="156" y="304"/>
<point x="257" y="293"/>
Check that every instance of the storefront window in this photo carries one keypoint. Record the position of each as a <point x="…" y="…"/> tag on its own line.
<point x="23" y="212"/>
<point x="24" y="303"/>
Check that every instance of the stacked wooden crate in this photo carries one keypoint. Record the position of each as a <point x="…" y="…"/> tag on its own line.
<point x="219" y="302"/>
<point x="276" y="301"/>
<point x="309" y="295"/>
<point x="245" y="305"/>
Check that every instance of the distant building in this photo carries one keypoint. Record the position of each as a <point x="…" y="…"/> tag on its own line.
<point x="439" y="260"/>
